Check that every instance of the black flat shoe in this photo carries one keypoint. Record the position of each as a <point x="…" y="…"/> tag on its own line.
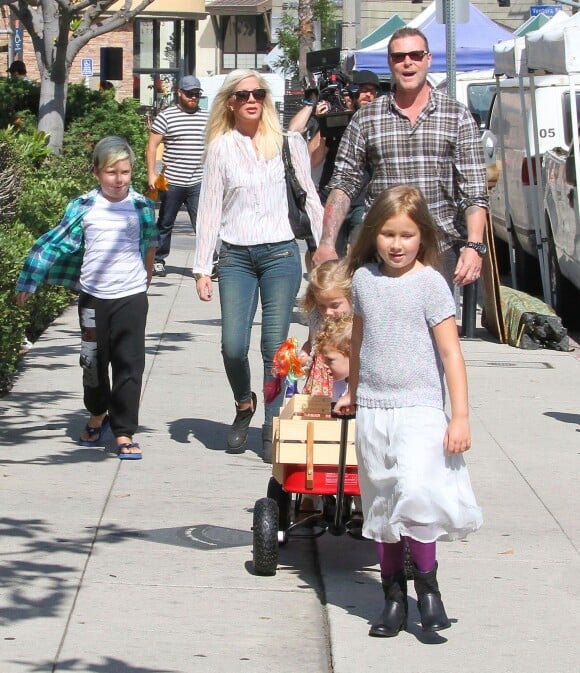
<point x="238" y="434"/>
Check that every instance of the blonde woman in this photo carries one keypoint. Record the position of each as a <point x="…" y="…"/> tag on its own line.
<point x="243" y="202"/>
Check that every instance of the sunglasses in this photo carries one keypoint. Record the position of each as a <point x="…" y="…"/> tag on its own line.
<point x="416" y="55"/>
<point x="194" y="93"/>
<point x="243" y="96"/>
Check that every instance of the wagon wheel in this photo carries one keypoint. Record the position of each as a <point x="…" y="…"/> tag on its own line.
<point x="284" y="501"/>
<point x="265" y="529"/>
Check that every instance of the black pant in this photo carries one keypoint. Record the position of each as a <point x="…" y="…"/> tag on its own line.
<point x="171" y="201"/>
<point x="113" y="333"/>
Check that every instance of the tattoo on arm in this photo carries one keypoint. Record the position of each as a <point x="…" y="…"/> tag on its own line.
<point x="335" y="211"/>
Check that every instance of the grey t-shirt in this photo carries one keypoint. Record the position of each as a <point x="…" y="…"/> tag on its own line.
<point x="399" y="362"/>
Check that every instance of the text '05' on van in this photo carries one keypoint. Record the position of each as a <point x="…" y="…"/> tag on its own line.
<point x="511" y="122"/>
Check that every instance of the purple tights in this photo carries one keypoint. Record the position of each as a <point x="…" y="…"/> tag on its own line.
<point x="392" y="555"/>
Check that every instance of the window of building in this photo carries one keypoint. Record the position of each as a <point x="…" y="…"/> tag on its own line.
<point x="245" y="41"/>
<point x="163" y="51"/>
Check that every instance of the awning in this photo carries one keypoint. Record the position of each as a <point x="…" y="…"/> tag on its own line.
<point x="382" y="32"/>
<point x="236" y="7"/>
<point x="182" y="9"/>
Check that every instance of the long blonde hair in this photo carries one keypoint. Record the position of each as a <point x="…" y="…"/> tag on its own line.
<point x="221" y="118"/>
<point x="393" y="201"/>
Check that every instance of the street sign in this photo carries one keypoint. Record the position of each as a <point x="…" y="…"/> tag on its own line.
<point x="87" y="67"/>
<point x="18" y="40"/>
<point x="548" y="10"/>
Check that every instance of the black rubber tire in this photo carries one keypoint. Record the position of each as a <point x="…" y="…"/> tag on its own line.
<point x="283" y="500"/>
<point x="265" y="534"/>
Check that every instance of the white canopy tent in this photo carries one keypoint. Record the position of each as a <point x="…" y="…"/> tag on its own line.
<point x="557" y="50"/>
<point x="511" y="60"/>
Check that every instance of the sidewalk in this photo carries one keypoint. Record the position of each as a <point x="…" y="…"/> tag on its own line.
<point x="146" y="567"/>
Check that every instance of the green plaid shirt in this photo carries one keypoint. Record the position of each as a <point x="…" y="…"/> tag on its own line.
<point x="57" y="256"/>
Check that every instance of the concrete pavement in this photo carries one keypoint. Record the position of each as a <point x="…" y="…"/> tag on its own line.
<point x="146" y="567"/>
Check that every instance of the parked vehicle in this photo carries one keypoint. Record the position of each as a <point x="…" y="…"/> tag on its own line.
<point x="476" y="90"/>
<point x="563" y="221"/>
<point x="511" y="119"/>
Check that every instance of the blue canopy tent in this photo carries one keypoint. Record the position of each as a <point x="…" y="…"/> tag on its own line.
<point x="474" y="41"/>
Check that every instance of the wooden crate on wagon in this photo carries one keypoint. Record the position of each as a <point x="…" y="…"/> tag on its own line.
<point x="306" y="447"/>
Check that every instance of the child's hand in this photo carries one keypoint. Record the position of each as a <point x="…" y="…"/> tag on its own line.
<point x="305" y="359"/>
<point x="21" y="298"/>
<point x="458" y="437"/>
<point x="344" y="406"/>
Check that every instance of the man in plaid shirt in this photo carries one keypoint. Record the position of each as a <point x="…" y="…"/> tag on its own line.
<point x="419" y="136"/>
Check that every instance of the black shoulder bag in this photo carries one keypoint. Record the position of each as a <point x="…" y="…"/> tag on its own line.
<point x="299" y="220"/>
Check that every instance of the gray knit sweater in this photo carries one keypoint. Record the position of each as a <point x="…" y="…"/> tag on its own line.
<point x="399" y="362"/>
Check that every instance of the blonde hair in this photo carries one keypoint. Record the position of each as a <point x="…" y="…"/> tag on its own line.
<point x="335" y="334"/>
<point x="391" y="202"/>
<point x="111" y="149"/>
<point x="221" y="118"/>
<point x="331" y="275"/>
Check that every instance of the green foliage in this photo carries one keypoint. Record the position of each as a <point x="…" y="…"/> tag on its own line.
<point x="323" y="11"/>
<point x="287" y="36"/>
<point x="40" y="310"/>
<point x="31" y="148"/>
<point x="37" y="186"/>
<point x="17" y="96"/>
<point x="107" y="117"/>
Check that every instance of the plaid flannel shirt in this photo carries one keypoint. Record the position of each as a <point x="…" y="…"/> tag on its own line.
<point x="441" y="154"/>
<point x="57" y="256"/>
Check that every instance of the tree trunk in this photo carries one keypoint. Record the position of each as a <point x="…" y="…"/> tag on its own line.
<point x="51" y="112"/>
<point x="305" y="34"/>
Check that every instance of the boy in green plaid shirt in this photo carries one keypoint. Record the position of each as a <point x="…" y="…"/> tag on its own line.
<point x="104" y="248"/>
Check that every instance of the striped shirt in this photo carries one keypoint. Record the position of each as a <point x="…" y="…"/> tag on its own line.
<point x="441" y="154"/>
<point x="57" y="256"/>
<point x="243" y="196"/>
<point x="183" y="138"/>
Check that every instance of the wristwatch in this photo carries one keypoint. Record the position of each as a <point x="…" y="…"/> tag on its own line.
<point x="480" y="248"/>
<point x="197" y="276"/>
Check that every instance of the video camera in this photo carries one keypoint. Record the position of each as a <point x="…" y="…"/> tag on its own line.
<point x="324" y="69"/>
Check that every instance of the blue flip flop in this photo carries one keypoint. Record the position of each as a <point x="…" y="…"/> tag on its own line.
<point x="128" y="456"/>
<point x="95" y="434"/>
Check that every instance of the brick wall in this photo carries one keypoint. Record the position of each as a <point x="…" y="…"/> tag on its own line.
<point x="123" y="37"/>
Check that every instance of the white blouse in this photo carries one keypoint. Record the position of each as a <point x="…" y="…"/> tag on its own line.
<point x="243" y="197"/>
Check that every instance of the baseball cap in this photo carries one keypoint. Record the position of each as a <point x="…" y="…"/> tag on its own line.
<point x="365" y="77"/>
<point x="189" y="82"/>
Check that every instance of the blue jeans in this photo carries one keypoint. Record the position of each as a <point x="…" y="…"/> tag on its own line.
<point x="171" y="201"/>
<point x="273" y="272"/>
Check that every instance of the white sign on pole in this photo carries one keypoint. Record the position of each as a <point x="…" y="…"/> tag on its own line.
<point x="87" y="67"/>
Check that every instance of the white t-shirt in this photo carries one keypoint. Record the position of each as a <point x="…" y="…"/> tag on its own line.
<point x="112" y="264"/>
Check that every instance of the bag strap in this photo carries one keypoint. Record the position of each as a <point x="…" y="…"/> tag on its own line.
<point x="287" y="157"/>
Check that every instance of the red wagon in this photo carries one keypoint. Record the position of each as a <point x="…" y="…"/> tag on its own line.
<point x="313" y="455"/>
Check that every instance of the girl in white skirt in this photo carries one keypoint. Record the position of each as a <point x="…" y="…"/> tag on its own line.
<point x="414" y="483"/>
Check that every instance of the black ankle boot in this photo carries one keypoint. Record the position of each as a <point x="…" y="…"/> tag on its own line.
<point x="238" y="433"/>
<point x="394" y="616"/>
<point x="431" y="609"/>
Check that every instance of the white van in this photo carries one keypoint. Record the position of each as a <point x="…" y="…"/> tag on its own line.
<point x="552" y="96"/>
<point x="563" y="221"/>
<point x="475" y="90"/>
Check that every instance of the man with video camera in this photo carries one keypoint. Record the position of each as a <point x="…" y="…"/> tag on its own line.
<point x="326" y="127"/>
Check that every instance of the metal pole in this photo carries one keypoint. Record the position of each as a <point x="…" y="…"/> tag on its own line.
<point x="469" y="310"/>
<point x="451" y="46"/>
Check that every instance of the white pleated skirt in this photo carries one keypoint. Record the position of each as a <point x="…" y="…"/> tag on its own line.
<point x="409" y="485"/>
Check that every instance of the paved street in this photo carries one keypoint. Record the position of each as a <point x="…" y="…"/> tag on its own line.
<point x="146" y="567"/>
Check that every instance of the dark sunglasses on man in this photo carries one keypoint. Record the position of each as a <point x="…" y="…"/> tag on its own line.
<point x="192" y="93"/>
<point x="416" y="55"/>
<point x="243" y="96"/>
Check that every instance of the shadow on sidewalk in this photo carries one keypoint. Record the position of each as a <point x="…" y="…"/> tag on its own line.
<point x="211" y="434"/>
